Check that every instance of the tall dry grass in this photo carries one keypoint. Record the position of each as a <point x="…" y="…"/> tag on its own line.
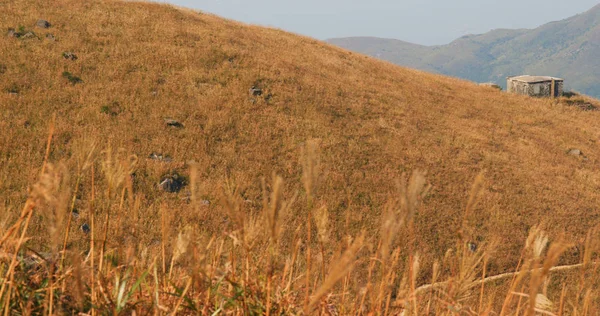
<point x="302" y="200"/>
<point x="262" y="264"/>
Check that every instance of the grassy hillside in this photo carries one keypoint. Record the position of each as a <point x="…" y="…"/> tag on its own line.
<point x="566" y="48"/>
<point x="334" y="161"/>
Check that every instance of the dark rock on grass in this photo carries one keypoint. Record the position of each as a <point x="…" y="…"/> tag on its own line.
<point x="173" y="123"/>
<point x="72" y="79"/>
<point x="472" y="246"/>
<point x="85" y="228"/>
<point x="21" y="33"/>
<point x="254" y="91"/>
<point x="13" y="33"/>
<point x="268" y="97"/>
<point x="69" y="55"/>
<point x="13" y="89"/>
<point x="43" y="24"/>
<point x="172" y="183"/>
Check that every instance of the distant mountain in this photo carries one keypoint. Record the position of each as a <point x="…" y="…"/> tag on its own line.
<point x="569" y="48"/>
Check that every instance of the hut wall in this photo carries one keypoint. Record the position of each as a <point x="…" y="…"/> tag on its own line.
<point x="538" y="89"/>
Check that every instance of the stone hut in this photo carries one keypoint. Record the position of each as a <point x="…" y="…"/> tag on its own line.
<point x="535" y="86"/>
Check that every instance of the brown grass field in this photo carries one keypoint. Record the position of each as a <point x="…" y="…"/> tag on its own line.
<point x="349" y="186"/>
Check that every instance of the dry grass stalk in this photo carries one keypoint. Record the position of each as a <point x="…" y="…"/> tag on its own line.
<point x="92" y="240"/>
<point x="311" y="168"/>
<point x="344" y="266"/>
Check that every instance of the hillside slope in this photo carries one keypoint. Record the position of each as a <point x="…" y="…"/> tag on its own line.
<point x="138" y="64"/>
<point x="566" y="48"/>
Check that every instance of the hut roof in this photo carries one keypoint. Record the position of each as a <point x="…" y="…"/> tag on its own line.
<point x="534" y="79"/>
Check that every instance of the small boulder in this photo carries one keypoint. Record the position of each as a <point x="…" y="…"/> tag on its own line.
<point x="43" y="24"/>
<point x="254" y="91"/>
<point x="29" y="35"/>
<point x="69" y="55"/>
<point x="50" y="37"/>
<point x="172" y="183"/>
<point x="268" y="97"/>
<point x="472" y="246"/>
<point x="13" y="33"/>
<point x="575" y="152"/>
<point x="173" y="123"/>
<point x="85" y="228"/>
<point x="72" y="78"/>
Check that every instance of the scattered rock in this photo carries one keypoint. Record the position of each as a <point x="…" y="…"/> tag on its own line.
<point x="268" y="97"/>
<point x="171" y="183"/>
<point x="12" y="33"/>
<point x="173" y="123"/>
<point x="13" y="89"/>
<point x="72" y="78"/>
<point x="205" y="202"/>
<point x="50" y="37"/>
<point x="85" y="228"/>
<point x="29" y="35"/>
<point x="160" y="157"/>
<point x="472" y="246"/>
<point x="254" y="91"/>
<point x="575" y="152"/>
<point x="69" y="55"/>
<point x="43" y="24"/>
<point x="75" y="214"/>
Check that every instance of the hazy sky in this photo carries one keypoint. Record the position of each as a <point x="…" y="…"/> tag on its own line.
<point x="426" y="22"/>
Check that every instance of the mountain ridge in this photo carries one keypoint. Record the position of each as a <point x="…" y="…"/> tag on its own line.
<point x="565" y="48"/>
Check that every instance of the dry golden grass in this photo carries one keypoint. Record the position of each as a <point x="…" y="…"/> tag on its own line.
<point x="335" y="226"/>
